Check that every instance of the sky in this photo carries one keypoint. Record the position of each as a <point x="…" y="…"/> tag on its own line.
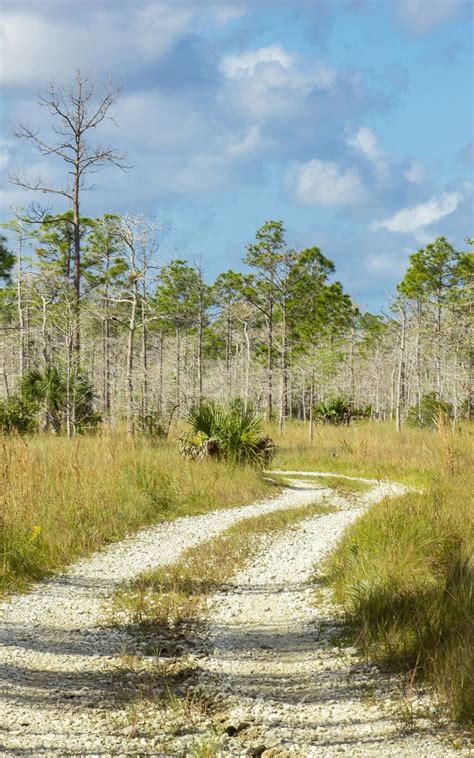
<point x="350" y="120"/>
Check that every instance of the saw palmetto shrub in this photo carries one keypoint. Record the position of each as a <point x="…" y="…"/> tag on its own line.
<point x="233" y="433"/>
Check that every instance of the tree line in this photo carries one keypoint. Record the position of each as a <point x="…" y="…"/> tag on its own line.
<point x="156" y="338"/>
<point x="96" y="326"/>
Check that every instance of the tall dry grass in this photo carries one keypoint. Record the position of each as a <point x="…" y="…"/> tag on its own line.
<point x="375" y="449"/>
<point x="62" y="498"/>
<point x="405" y="570"/>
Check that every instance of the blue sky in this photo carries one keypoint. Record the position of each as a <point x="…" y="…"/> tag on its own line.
<point x="351" y="120"/>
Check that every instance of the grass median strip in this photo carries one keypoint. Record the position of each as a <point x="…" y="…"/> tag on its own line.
<point x="163" y="609"/>
<point x="170" y="598"/>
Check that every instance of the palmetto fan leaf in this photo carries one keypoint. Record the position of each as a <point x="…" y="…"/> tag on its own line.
<point x="237" y="434"/>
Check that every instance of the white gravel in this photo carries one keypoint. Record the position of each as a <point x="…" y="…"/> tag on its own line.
<point x="276" y="657"/>
<point x="59" y="663"/>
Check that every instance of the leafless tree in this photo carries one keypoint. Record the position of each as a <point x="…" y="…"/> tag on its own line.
<point x="77" y="110"/>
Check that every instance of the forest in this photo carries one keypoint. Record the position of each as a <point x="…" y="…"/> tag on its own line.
<point x="140" y="340"/>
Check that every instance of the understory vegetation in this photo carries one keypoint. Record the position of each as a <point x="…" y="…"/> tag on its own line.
<point x="405" y="573"/>
<point x="234" y="433"/>
<point x="62" y="498"/>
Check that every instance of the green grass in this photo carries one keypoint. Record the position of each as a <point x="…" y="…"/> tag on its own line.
<point x="60" y="498"/>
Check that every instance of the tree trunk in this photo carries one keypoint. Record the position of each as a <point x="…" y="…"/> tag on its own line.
<point x="200" y="342"/>
<point x="270" y="362"/>
<point x="247" y="366"/>
<point x="178" y="366"/>
<point x="144" y="356"/>
<point x="284" y="377"/>
<point x="129" y="374"/>
<point x="401" y="373"/>
<point x="311" y="403"/>
<point x="77" y="268"/>
<point x="21" y="320"/>
<point x="160" y="374"/>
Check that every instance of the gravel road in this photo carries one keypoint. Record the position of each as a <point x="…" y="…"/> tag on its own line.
<point x="59" y="663"/>
<point x="277" y="657"/>
<point x="275" y="654"/>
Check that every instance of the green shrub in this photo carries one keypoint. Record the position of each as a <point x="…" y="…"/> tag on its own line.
<point x="234" y="433"/>
<point x="48" y="389"/>
<point x="335" y="411"/>
<point x="17" y="415"/>
<point x="426" y="416"/>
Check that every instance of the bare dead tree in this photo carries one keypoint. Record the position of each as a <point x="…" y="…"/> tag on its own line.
<point x="77" y="110"/>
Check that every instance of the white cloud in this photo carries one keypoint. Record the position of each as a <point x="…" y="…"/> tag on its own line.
<point x="325" y="183"/>
<point x="410" y="220"/>
<point x="416" y="173"/>
<point x="421" y="16"/>
<point x="270" y="82"/>
<point x="227" y="13"/>
<point x="245" y="63"/>
<point x="365" y="142"/>
<point x="35" y="47"/>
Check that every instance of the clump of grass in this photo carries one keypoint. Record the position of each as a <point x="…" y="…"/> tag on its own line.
<point x="62" y="498"/>
<point x="405" y="573"/>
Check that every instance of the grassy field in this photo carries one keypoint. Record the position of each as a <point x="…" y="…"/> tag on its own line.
<point x="405" y="570"/>
<point x="60" y="498"/>
<point x="375" y="450"/>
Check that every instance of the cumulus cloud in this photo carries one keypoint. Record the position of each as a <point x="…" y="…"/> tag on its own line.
<point x="246" y="144"/>
<point x="411" y="220"/>
<point x="365" y="142"/>
<point x="324" y="183"/>
<point x="245" y="63"/>
<point x="34" y="47"/>
<point x="269" y="83"/>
